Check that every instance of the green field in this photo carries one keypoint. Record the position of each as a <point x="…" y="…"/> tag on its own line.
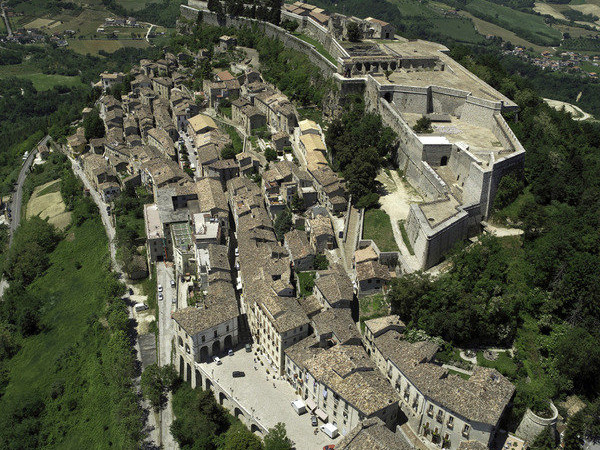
<point x="377" y="226"/>
<point x="134" y="5"/>
<point x="41" y="81"/>
<point x="461" y="30"/>
<point x="317" y="45"/>
<point x="93" y="46"/>
<point x="528" y="26"/>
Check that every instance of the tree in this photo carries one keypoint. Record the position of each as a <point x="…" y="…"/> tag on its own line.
<point x="228" y="152"/>
<point x="238" y="437"/>
<point x="156" y="383"/>
<point x="283" y="223"/>
<point x="353" y="32"/>
<point x="321" y="262"/>
<point x="93" y="125"/>
<point x="277" y="439"/>
<point x="423" y="125"/>
<point x="270" y="154"/>
<point x="545" y="440"/>
<point x="297" y="203"/>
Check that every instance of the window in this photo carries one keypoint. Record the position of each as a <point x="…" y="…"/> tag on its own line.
<point x="227" y="328"/>
<point x="430" y="411"/>
<point x="465" y="431"/>
<point x="180" y="341"/>
<point x="215" y="333"/>
<point x="450" y="423"/>
<point x="203" y="338"/>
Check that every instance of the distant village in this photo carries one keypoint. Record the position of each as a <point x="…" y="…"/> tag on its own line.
<point x="567" y="61"/>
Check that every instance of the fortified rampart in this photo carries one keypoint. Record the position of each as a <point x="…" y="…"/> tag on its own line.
<point x="457" y="168"/>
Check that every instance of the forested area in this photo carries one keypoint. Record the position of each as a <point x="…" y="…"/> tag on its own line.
<point x="163" y="12"/>
<point x="201" y="423"/>
<point x="288" y="69"/>
<point x="26" y="114"/>
<point x="66" y="364"/>
<point x="538" y="292"/>
<point x="360" y="145"/>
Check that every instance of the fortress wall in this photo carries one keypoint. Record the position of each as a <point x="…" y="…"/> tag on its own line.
<point x="502" y="167"/>
<point x="409" y="62"/>
<point x="189" y="13"/>
<point x="505" y="135"/>
<point x="273" y="31"/>
<point x="480" y="112"/>
<point x="416" y="235"/>
<point x="411" y="99"/>
<point x="476" y="186"/>
<point x="447" y="100"/>
<point x="429" y="181"/>
<point x="433" y="153"/>
<point x="460" y="162"/>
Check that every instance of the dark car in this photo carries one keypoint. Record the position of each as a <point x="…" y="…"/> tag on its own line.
<point x="238" y="374"/>
<point x="313" y="421"/>
<point x="329" y="447"/>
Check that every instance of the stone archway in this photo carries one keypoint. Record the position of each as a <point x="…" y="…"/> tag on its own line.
<point x="228" y="343"/>
<point x="208" y="384"/>
<point x="222" y="398"/>
<point x="389" y="97"/>
<point x="216" y="348"/>
<point x="181" y="366"/>
<point x="444" y="161"/>
<point x="197" y="379"/>
<point x="204" y="354"/>
<point x="188" y="374"/>
<point x="255" y="429"/>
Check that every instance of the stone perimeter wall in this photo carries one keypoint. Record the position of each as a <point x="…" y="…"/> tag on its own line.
<point x="273" y="31"/>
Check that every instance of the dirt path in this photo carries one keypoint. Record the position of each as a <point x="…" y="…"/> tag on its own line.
<point x="396" y="203"/>
<point x="576" y="111"/>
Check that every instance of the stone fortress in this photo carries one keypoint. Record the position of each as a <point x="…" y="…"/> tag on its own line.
<point x="457" y="166"/>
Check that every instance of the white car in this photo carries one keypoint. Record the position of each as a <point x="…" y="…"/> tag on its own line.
<point x="160" y="296"/>
<point x="172" y="283"/>
<point x="237" y="251"/>
<point x="160" y="288"/>
<point x="217" y="360"/>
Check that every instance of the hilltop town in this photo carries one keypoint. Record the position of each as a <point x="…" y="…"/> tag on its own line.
<point x="259" y="252"/>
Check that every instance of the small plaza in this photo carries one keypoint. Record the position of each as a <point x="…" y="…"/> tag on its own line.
<point x="260" y="387"/>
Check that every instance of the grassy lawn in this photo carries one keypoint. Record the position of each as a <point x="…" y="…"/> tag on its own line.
<point x="405" y="237"/>
<point x="134" y="5"/>
<point x="317" y="45"/>
<point x="306" y="282"/>
<point x="371" y="307"/>
<point x="236" y="140"/>
<point x="459" y="29"/>
<point x="377" y="226"/>
<point x="93" y="46"/>
<point x="519" y="22"/>
<point x="504" y="364"/>
<point x="41" y="81"/>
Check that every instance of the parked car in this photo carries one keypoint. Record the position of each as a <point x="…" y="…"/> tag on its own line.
<point x="237" y="251"/>
<point x="160" y="296"/>
<point x="174" y="300"/>
<point x="238" y="374"/>
<point x="329" y="447"/>
<point x="172" y="283"/>
<point x="160" y="288"/>
<point x="248" y="348"/>
<point x="217" y="360"/>
<point x="230" y="352"/>
<point x="140" y="307"/>
<point x="313" y="420"/>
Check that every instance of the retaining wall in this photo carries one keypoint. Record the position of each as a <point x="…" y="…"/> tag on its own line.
<point x="270" y="30"/>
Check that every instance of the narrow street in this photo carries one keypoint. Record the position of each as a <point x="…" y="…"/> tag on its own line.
<point x="164" y="275"/>
<point x="153" y="440"/>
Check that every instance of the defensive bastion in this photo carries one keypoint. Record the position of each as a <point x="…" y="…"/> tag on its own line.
<point x="456" y="166"/>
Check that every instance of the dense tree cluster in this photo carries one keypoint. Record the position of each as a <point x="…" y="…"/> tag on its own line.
<point x="267" y="10"/>
<point x="360" y="145"/>
<point x="539" y="292"/>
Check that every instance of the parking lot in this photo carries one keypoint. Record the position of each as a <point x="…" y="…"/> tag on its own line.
<point x="267" y="398"/>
